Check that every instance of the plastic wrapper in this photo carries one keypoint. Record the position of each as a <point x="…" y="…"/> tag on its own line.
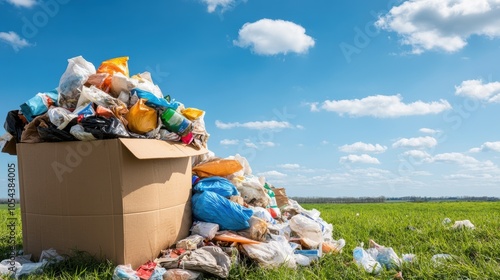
<point x="263" y="214"/>
<point x="169" y="136"/>
<point x="257" y="230"/>
<point x="85" y="111"/>
<point x="144" y="82"/>
<point x="125" y="272"/>
<point x="99" y="97"/>
<point x="221" y="167"/>
<point x="307" y="229"/>
<point x="367" y="262"/>
<point x="141" y="118"/>
<point x="181" y="274"/>
<point x="274" y="210"/>
<point x="334" y="246"/>
<point x="251" y="188"/>
<point x="39" y="104"/>
<point x="207" y="230"/>
<point x="384" y="255"/>
<point x="121" y="84"/>
<point x="463" y="224"/>
<point x="152" y="100"/>
<point x="219" y="185"/>
<point x="104" y="128"/>
<point x="209" y="259"/>
<point x="111" y="67"/>
<point x="146" y="270"/>
<point x="190" y="243"/>
<point x="275" y="253"/>
<point x="71" y="82"/>
<point x="214" y="208"/>
<point x="192" y="113"/>
<point x="79" y="133"/>
<point x="97" y="80"/>
<point x="60" y="117"/>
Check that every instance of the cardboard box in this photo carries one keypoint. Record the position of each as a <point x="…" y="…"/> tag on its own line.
<point x="120" y="199"/>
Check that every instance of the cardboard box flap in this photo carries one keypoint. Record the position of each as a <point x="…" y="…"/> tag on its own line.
<point x="151" y="148"/>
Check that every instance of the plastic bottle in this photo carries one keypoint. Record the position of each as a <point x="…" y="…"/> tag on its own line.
<point x="362" y="258"/>
<point x="176" y="122"/>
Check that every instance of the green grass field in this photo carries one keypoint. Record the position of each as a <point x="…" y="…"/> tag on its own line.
<point x="406" y="227"/>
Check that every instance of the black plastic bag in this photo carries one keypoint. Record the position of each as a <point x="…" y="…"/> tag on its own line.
<point x="52" y="134"/>
<point x="14" y="124"/>
<point x="104" y="128"/>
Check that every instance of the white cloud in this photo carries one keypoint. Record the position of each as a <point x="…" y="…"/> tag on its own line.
<point x="382" y="106"/>
<point x="429" y="130"/>
<point x="418" y="154"/>
<point x="486" y="147"/>
<point x="442" y="25"/>
<point x="416" y="143"/>
<point x="23" y="3"/>
<point x="272" y="173"/>
<point x="250" y="145"/>
<point x="228" y="142"/>
<point x="458" y="158"/>
<point x="299" y="126"/>
<point x="14" y="40"/>
<point x="254" y="125"/>
<point x="364" y="158"/>
<point x="363" y="148"/>
<point x="289" y="166"/>
<point x="267" y="144"/>
<point x="270" y="37"/>
<point x="324" y="142"/>
<point x="475" y="89"/>
<point x="212" y="5"/>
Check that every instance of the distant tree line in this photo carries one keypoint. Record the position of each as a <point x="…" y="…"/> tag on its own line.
<point x="382" y="199"/>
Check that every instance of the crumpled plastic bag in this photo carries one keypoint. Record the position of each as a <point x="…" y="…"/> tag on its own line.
<point x="251" y="188"/>
<point x="141" y="118"/>
<point x="71" y="82"/>
<point x="192" y="113"/>
<point x="110" y="67"/>
<point x="257" y="230"/>
<point x="246" y="170"/>
<point x="104" y="128"/>
<point x="463" y="224"/>
<point x="214" y="208"/>
<point x="125" y="272"/>
<point x="364" y="260"/>
<point x="152" y="100"/>
<point x="60" y="117"/>
<point x="208" y="259"/>
<point x="190" y="243"/>
<point x="144" y="82"/>
<point x="99" y="97"/>
<point x="181" y="274"/>
<point x="207" y="230"/>
<point x="14" y="124"/>
<point x="39" y="104"/>
<point x="219" y="185"/>
<point x="308" y="230"/>
<point x="384" y="255"/>
<point x="272" y="254"/>
<point x="220" y="167"/>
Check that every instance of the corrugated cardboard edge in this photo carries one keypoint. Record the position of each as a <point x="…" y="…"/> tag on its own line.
<point x="152" y="148"/>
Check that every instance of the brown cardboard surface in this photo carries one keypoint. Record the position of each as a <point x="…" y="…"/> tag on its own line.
<point x="112" y="198"/>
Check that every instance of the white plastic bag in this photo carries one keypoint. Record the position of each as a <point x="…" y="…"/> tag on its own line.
<point x="125" y="272"/>
<point x="71" y="82"/>
<point x="366" y="261"/>
<point x="207" y="230"/>
<point x="307" y="229"/>
<point x="181" y="274"/>
<point x="272" y="254"/>
<point x="190" y="243"/>
<point x="60" y="117"/>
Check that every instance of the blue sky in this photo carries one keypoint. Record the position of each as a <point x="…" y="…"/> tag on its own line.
<point x="324" y="98"/>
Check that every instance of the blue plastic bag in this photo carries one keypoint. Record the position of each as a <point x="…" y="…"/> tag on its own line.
<point x="217" y="185"/>
<point x="37" y="105"/>
<point x="213" y="208"/>
<point x="153" y="100"/>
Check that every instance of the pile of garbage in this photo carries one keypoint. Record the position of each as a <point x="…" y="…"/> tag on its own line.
<point x="104" y="103"/>
<point x="238" y="215"/>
